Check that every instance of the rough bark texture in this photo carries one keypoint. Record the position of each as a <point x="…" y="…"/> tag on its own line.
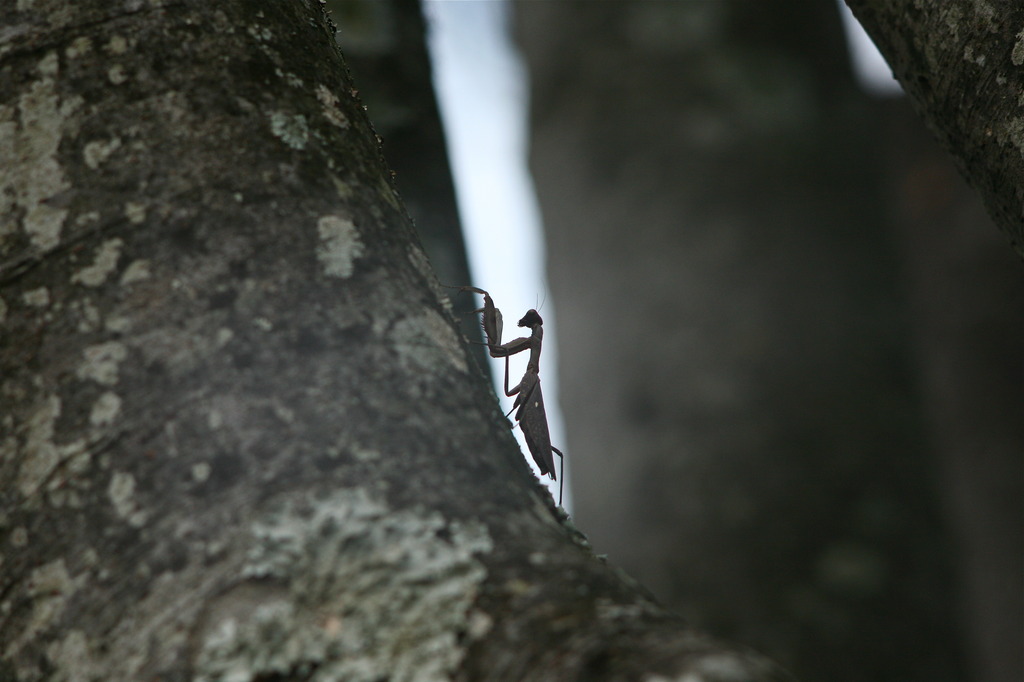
<point x="239" y="435"/>
<point x="736" y="373"/>
<point x="962" y="63"/>
<point x="385" y="48"/>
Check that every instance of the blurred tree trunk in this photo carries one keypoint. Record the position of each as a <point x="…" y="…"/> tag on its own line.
<point x="239" y="435"/>
<point x="736" y="367"/>
<point x="966" y="292"/>
<point x="962" y="64"/>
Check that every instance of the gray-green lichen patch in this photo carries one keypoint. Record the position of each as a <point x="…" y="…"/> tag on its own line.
<point x="105" y="410"/>
<point x="40" y="454"/>
<point x="291" y="128"/>
<point x="87" y="218"/>
<point x="339" y="245"/>
<point x="368" y="594"/>
<point x="261" y="33"/>
<point x="79" y="47"/>
<point x="426" y="340"/>
<point x="116" y="74"/>
<point x="136" y="271"/>
<point x="201" y="472"/>
<point x="969" y="55"/>
<point x="104" y="263"/>
<point x="214" y="419"/>
<point x="42" y="462"/>
<point x="1015" y="132"/>
<point x="100" y="362"/>
<point x="96" y="152"/>
<point x="30" y="136"/>
<point x="223" y="337"/>
<point x="329" y="103"/>
<point x="290" y="78"/>
<point x="116" y="45"/>
<point x="118" y="324"/>
<point x="86" y="313"/>
<point x="1017" y="54"/>
<point x="135" y="212"/>
<point x="49" y="587"/>
<point x="36" y="298"/>
<point x="75" y="660"/>
<point x="121" y="492"/>
<point x="3" y="309"/>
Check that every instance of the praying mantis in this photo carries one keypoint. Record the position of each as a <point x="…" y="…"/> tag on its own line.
<point x="529" y="402"/>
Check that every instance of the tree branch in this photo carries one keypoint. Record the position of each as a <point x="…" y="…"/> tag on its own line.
<point x="962" y="64"/>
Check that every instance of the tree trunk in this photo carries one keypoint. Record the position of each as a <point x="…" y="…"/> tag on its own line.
<point x="962" y="63"/>
<point x="966" y="294"/>
<point x="241" y="438"/>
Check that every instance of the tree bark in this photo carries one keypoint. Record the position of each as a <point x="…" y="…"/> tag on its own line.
<point x="962" y="64"/>
<point x="385" y="48"/>
<point x="239" y="435"/>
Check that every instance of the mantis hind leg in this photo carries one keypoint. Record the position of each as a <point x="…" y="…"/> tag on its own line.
<point x="561" y="472"/>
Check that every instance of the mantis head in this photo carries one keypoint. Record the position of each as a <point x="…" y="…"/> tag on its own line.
<point x="531" y="319"/>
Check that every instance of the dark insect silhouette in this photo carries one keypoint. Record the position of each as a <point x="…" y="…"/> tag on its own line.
<point x="529" y="403"/>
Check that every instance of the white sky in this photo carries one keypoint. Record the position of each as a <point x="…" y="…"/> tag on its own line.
<point x="874" y="74"/>
<point x="482" y="93"/>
